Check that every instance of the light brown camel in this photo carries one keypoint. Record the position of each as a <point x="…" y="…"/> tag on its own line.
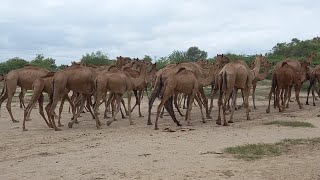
<point x="139" y="91"/>
<point x="165" y="73"/>
<point x="185" y="81"/>
<point x="313" y="75"/>
<point x="117" y="82"/>
<point x="44" y="84"/>
<point x="79" y="79"/>
<point x="260" y="77"/>
<point x="233" y="76"/>
<point x="24" y="78"/>
<point x="282" y="79"/>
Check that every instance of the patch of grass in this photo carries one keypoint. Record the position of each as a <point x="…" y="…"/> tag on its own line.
<point x="253" y="151"/>
<point x="291" y="123"/>
<point x="257" y="151"/>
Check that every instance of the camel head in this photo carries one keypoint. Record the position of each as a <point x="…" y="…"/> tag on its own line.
<point x="312" y="56"/>
<point x="222" y="59"/>
<point x="122" y="61"/>
<point x="202" y="62"/>
<point x="304" y="70"/>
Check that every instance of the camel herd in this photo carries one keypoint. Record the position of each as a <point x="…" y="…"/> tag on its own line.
<point x="90" y="86"/>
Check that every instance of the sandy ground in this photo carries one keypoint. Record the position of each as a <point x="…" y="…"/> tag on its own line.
<point x="122" y="151"/>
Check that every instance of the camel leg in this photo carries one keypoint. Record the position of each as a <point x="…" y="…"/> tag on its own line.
<point x="278" y="99"/>
<point x="269" y="97"/>
<point x="184" y="101"/>
<point x="200" y="106"/>
<point x="153" y="96"/>
<point x="140" y="93"/>
<point x="89" y="105"/>
<point x="117" y="106"/>
<point x="254" y="85"/>
<point x="162" y="112"/>
<point x="8" y="106"/>
<point x="47" y="108"/>
<point x="297" y="92"/>
<point x="313" y="97"/>
<point x="26" y="112"/>
<point x="82" y="103"/>
<point x="60" y="111"/>
<point x="290" y="94"/>
<point x="129" y="106"/>
<point x="218" y="122"/>
<point x="205" y="102"/>
<point x="135" y="92"/>
<point x="285" y="98"/>
<point x="51" y="112"/>
<point x="108" y="104"/>
<point x="308" y="92"/>
<point x="175" y="101"/>
<point x="224" y="107"/>
<point x="21" y="98"/>
<point x="233" y="104"/>
<point x="98" y="98"/>
<point x="190" y="102"/>
<point x="124" y="106"/>
<point x="211" y="100"/>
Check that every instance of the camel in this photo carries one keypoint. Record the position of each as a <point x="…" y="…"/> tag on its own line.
<point x="283" y="78"/>
<point x="44" y="84"/>
<point x="24" y="78"/>
<point x="233" y="76"/>
<point x="260" y="77"/>
<point x="184" y="81"/>
<point x="160" y="79"/>
<point x="77" y="78"/>
<point x="139" y="91"/>
<point x="313" y="75"/>
<point x="117" y="82"/>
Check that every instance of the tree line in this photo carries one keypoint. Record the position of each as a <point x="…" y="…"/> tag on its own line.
<point x="298" y="49"/>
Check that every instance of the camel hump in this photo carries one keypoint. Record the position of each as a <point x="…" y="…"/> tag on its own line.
<point x="49" y="74"/>
<point x="284" y="63"/>
<point x="181" y="69"/>
<point x="112" y="66"/>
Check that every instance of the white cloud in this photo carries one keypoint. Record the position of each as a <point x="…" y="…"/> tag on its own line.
<point x="65" y="30"/>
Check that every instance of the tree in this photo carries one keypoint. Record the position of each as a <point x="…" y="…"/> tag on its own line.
<point x="41" y="61"/>
<point x="162" y="62"/>
<point x="177" y="57"/>
<point x="62" y="67"/>
<point x="194" y="53"/>
<point x="11" y="64"/>
<point x="97" y="58"/>
<point x="147" y="58"/>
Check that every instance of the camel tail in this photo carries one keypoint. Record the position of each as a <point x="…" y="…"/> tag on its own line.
<point x="223" y="83"/>
<point x="160" y="89"/>
<point x="274" y="83"/>
<point x="3" y="88"/>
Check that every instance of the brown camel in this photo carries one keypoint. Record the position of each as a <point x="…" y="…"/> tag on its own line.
<point x="24" y="78"/>
<point x="117" y="82"/>
<point x="165" y="73"/>
<point x="185" y="81"/>
<point x="283" y="78"/>
<point x="260" y="77"/>
<point x="77" y="78"/>
<point x="44" y="84"/>
<point x="233" y="76"/>
<point x="313" y="76"/>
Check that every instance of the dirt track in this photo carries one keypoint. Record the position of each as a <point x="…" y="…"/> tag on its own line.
<point x="139" y="152"/>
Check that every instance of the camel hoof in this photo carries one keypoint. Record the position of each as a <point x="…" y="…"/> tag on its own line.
<point x="28" y="119"/>
<point x="314" y="104"/>
<point x="106" y="117"/>
<point x="156" y="128"/>
<point x="268" y="110"/>
<point x="57" y="129"/>
<point x="189" y="124"/>
<point x="131" y="123"/>
<point x="24" y="129"/>
<point x="178" y="124"/>
<point x="98" y="127"/>
<point x="218" y="122"/>
<point x="70" y="124"/>
<point x="60" y="125"/>
<point x="109" y="123"/>
<point x="141" y="115"/>
<point x="307" y="103"/>
<point x="226" y="124"/>
<point x="230" y="122"/>
<point x="149" y="123"/>
<point x="209" y="117"/>
<point x="255" y="108"/>
<point x="15" y="121"/>
<point x="203" y="121"/>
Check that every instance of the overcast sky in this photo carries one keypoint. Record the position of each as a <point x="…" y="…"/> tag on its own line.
<point x="67" y="29"/>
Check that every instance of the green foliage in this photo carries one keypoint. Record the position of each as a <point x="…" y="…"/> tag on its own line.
<point x="62" y="67"/>
<point x="42" y="62"/>
<point x="290" y="123"/>
<point x="162" y="62"/>
<point x="194" y="54"/>
<point x="11" y="64"/>
<point x="147" y="58"/>
<point x="97" y="58"/>
<point x="177" y="57"/>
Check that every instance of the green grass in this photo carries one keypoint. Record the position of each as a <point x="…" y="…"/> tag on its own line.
<point x="251" y="152"/>
<point x="291" y="123"/>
